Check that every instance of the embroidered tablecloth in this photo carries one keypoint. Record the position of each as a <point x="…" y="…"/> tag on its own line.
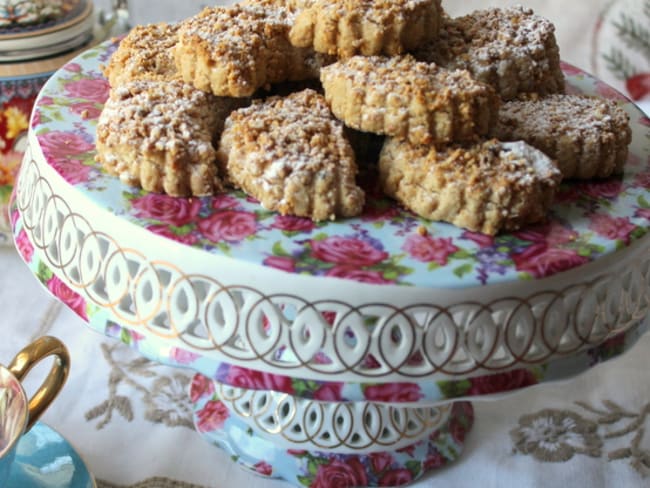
<point x="130" y="418"/>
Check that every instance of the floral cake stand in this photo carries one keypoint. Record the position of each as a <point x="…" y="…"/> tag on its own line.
<point x="339" y="353"/>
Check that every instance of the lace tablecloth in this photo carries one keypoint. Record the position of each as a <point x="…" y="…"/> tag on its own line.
<point x="130" y="418"/>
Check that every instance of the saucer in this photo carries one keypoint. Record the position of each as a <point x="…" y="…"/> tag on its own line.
<point x="45" y="459"/>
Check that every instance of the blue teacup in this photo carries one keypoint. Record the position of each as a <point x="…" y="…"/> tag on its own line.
<point x="18" y="413"/>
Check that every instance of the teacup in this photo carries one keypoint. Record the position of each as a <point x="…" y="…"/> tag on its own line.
<point x="18" y="413"/>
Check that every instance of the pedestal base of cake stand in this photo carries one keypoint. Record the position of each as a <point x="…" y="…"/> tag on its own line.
<point x="320" y="443"/>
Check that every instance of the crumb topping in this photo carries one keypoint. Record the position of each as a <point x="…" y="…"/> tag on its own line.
<point x="567" y="115"/>
<point x="494" y="33"/>
<point x="489" y="164"/>
<point x="238" y="31"/>
<point x="379" y="11"/>
<point x="512" y="49"/>
<point x="291" y="153"/>
<point x="403" y="77"/>
<point x="368" y="27"/>
<point x="172" y="117"/>
<point x="146" y="52"/>
<point x="295" y="133"/>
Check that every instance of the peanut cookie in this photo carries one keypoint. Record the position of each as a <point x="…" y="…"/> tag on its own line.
<point x="588" y="137"/>
<point x="367" y="27"/>
<point x="146" y="52"/>
<point x="407" y="99"/>
<point x="486" y="187"/>
<point x="511" y="49"/>
<point x="233" y="51"/>
<point x="158" y="135"/>
<point x="290" y="154"/>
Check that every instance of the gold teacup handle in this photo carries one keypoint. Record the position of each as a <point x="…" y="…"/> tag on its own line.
<point x="31" y="355"/>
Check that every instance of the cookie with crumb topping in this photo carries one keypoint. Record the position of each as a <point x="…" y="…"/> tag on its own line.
<point x="290" y="153"/>
<point x="368" y="27"/>
<point x="407" y="99"/>
<point x="485" y="187"/>
<point x="158" y="135"/>
<point x="587" y="137"/>
<point x="145" y="53"/>
<point x="233" y="51"/>
<point x="511" y="49"/>
<point x="292" y="5"/>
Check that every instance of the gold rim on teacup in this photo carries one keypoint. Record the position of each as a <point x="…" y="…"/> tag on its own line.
<point x="13" y="396"/>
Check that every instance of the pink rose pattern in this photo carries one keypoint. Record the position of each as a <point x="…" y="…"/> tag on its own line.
<point x="428" y="249"/>
<point x="257" y="380"/>
<point x="183" y="356"/>
<point x="24" y="246"/>
<point x="69" y="297"/>
<point x="382" y="246"/>
<point x="340" y="474"/>
<point x="541" y="261"/>
<point x="201" y="386"/>
<point x="166" y="209"/>
<point x="334" y="470"/>
<point x="352" y="273"/>
<point x="393" y="392"/>
<point x="93" y="90"/>
<point x="229" y="226"/>
<point x="500" y="382"/>
<point x="614" y="228"/>
<point x="213" y="416"/>
<point x="263" y="468"/>
<point x="60" y="145"/>
<point x="347" y="251"/>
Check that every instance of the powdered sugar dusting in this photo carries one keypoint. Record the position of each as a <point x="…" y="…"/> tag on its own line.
<point x="524" y="164"/>
<point x="291" y="154"/>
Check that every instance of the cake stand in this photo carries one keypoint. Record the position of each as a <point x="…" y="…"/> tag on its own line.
<point x="341" y="353"/>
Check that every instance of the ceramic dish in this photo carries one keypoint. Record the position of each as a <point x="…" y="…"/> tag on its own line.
<point x="381" y="302"/>
<point x="381" y="246"/>
<point x="312" y="329"/>
<point x="45" y="459"/>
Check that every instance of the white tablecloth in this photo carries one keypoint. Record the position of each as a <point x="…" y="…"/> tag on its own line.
<point x="130" y="418"/>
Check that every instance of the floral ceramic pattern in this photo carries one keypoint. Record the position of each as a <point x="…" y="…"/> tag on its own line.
<point x="424" y="391"/>
<point x="382" y="246"/>
<point x="321" y="469"/>
<point x="16" y="100"/>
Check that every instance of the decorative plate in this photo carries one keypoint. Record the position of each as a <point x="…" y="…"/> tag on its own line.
<point x="588" y="221"/>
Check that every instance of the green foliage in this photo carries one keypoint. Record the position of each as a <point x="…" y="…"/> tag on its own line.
<point x="454" y="389"/>
<point x="619" y="64"/>
<point x="463" y="270"/>
<point x="635" y="33"/>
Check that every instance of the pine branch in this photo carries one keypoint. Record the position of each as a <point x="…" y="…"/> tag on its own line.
<point x="634" y="35"/>
<point x="619" y="64"/>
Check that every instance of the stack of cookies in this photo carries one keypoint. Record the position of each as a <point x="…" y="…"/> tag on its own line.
<point x="268" y="96"/>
